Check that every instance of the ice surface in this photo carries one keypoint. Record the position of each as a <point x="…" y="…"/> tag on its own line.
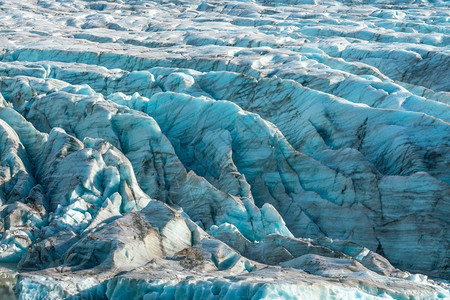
<point x="225" y="149"/>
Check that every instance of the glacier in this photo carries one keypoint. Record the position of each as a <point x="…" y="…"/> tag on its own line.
<point x="253" y="149"/>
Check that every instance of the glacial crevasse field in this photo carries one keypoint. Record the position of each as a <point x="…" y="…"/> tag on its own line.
<point x="261" y="149"/>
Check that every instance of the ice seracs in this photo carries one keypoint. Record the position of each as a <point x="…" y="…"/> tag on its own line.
<point x="204" y="149"/>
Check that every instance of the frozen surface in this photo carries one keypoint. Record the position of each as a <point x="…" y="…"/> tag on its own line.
<point x="201" y="149"/>
<point x="8" y="276"/>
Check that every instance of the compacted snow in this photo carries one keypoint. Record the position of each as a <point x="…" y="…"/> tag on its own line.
<point x="259" y="149"/>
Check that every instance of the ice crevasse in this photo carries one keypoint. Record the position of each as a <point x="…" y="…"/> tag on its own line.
<point x="225" y="149"/>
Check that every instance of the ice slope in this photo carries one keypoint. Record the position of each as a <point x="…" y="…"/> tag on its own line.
<point x="201" y="149"/>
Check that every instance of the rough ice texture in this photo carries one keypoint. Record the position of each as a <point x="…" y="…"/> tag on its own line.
<point x="201" y="149"/>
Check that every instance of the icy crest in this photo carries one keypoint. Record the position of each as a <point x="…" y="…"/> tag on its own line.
<point x="202" y="149"/>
